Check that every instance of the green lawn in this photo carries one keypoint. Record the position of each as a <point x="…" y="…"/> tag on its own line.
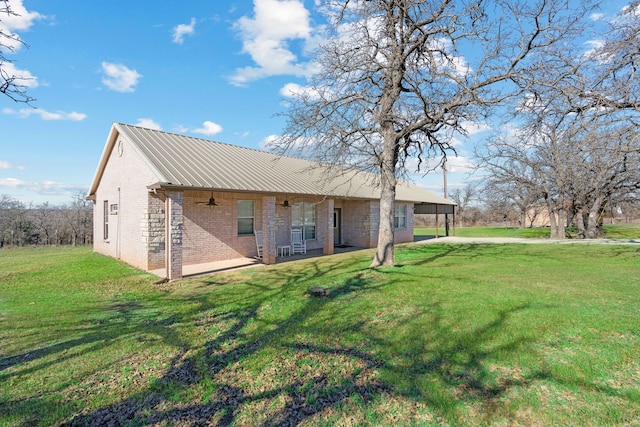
<point x="454" y="335"/>
<point x="618" y="231"/>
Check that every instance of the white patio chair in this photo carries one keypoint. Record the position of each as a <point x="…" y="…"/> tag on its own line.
<point x="297" y="243"/>
<point x="259" y="243"/>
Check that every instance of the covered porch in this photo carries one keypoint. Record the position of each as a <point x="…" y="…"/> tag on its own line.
<point x="194" y="270"/>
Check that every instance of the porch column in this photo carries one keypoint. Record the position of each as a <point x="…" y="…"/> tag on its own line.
<point x="173" y="234"/>
<point x="372" y="224"/>
<point x="327" y="247"/>
<point x="269" y="230"/>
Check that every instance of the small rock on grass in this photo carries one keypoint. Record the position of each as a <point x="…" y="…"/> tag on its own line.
<point x="317" y="291"/>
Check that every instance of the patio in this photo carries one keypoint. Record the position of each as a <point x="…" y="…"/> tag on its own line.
<point x="243" y="263"/>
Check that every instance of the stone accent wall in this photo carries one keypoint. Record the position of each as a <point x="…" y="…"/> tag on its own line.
<point x="174" y="248"/>
<point x="153" y="228"/>
<point x="152" y="224"/>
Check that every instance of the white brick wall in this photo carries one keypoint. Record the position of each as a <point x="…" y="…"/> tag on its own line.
<point x="124" y="182"/>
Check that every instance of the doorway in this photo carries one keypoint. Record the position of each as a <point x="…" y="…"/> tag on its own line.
<point x="337" y="226"/>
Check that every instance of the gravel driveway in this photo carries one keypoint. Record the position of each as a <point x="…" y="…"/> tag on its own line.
<point x="473" y="240"/>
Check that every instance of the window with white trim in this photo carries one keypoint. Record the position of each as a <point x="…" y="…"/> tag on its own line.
<point x="400" y="216"/>
<point x="105" y="222"/>
<point x="303" y="217"/>
<point x="246" y="217"/>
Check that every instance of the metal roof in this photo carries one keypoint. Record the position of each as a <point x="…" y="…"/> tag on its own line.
<point x="181" y="161"/>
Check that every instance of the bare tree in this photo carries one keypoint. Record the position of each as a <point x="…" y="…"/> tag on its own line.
<point x="11" y="84"/>
<point x="613" y="81"/>
<point x="608" y="171"/>
<point x="45" y="224"/>
<point x="44" y="218"/>
<point x="79" y="220"/>
<point x="12" y="221"/>
<point x="393" y="83"/>
<point x="464" y="198"/>
<point x="519" y="195"/>
<point x="577" y="164"/>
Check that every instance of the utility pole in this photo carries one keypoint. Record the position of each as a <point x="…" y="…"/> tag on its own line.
<point x="446" y="215"/>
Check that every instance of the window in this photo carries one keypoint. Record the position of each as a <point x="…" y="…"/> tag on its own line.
<point x="106" y="219"/>
<point x="303" y="216"/>
<point x="246" y="217"/>
<point x="400" y="216"/>
<point x="114" y="209"/>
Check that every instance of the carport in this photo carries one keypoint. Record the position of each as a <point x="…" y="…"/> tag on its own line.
<point x="438" y="209"/>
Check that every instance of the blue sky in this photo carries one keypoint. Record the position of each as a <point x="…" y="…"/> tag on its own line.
<point x="211" y="69"/>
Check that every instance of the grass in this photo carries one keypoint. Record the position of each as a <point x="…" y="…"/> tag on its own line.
<point x="454" y="335"/>
<point x="618" y="231"/>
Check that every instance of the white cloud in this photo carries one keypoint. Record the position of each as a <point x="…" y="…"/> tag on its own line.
<point x="432" y="167"/>
<point x="444" y="57"/>
<point x="119" y="78"/>
<point x="208" y="128"/>
<point x="23" y="77"/>
<point x="457" y="164"/>
<point x="148" y="123"/>
<point x="265" y="144"/>
<point x="48" y="188"/>
<point x="46" y="115"/>
<point x="180" y="129"/>
<point x="596" y="16"/>
<point x="633" y="9"/>
<point x="53" y="187"/>
<point x="266" y="36"/>
<point x="5" y="165"/>
<point x="11" y="182"/>
<point x="291" y="90"/>
<point x="21" y="20"/>
<point x="473" y="128"/>
<point x="529" y="103"/>
<point x="182" y="30"/>
<point x="595" y="51"/>
<point x="594" y="44"/>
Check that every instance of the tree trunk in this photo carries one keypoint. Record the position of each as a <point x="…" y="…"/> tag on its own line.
<point x="552" y="223"/>
<point x="594" y="225"/>
<point x="384" y="252"/>
<point x="561" y="224"/>
<point x="556" y="223"/>
<point x="579" y="218"/>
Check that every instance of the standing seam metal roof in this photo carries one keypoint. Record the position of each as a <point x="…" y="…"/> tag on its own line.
<point x="188" y="162"/>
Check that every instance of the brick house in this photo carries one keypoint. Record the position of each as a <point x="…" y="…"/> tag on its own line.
<point x="163" y="200"/>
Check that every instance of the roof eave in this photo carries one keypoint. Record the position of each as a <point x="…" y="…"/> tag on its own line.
<point x="102" y="164"/>
<point x="164" y="186"/>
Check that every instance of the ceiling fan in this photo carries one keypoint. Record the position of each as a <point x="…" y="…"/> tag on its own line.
<point x="211" y="202"/>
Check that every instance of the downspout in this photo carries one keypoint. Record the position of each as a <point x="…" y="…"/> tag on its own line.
<point x="119" y="212"/>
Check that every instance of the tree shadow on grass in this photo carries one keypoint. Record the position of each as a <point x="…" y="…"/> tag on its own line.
<point x="313" y="373"/>
<point x="232" y="348"/>
<point x="123" y="319"/>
